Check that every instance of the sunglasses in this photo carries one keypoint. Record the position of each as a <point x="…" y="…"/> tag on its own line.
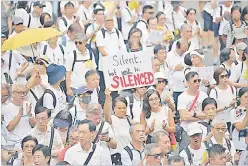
<point x="197" y="81"/>
<point x="78" y="42"/>
<point x="161" y="81"/>
<point x="150" y="13"/>
<point x="223" y="76"/>
<point x="39" y="63"/>
<point x="156" y="156"/>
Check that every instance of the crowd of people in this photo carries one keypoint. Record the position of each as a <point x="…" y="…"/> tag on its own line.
<point x="57" y="109"/>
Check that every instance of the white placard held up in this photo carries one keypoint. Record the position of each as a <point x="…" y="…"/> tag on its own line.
<point x="128" y="70"/>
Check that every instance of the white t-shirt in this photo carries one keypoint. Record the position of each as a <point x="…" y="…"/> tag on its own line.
<point x="121" y="131"/>
<point x="137" y="108"/>
<point x="184" y="103"/>
<point x="237" y="75"/>
<point x="21" y="129"/>
<point x="238" y="115"/>
<point x="112" y="44"/>
<point x="34" y="21"/>
<point x="80" y="112"/>
<point x="159" y="117"/>
<point x="21" y="13"/>
<point x="55" y="56"/>
<point x="178" y="18"/>
<point x="195" y="154"/>
<point x="195" y="40"/>
<point x="126" y="16"/>
<point x="223" y="98"/>
<point x="83" y="13"/>
<point x="81" y="66"/>
<point x="177" y="77"/>
<point x="16" y="62"/>
<point x="60" y="101"/>
<point x="207" y="8"/>
<point x="62" y="26"/>
<point x="145" y="34"/>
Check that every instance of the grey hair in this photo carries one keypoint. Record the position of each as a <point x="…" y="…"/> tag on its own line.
<point x="93" y="108"/>
<point x="131" y="129"/>
<point x="184" y="26"/>
<point x="156" y="137"/>
<point x="149" y="147"/>
<point x="17" y="86"/>
<point x="175" y="159"/>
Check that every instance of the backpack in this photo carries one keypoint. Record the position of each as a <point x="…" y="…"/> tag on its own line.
<point x="196" y="22"/>
<point x="61" y="49"/>
<point x="12" y="158"/>
<point x="129" y="152"/>
<point x="136" y="23"/>
<point x="131" y="98"/>
<point x="103" y="32"/>
<point x="29" y="20"/>
<point x="242" y="66"/>
<point x="181" y="137"/>
<point x="217" y="92"/>
<point x="40" y="101"/>
<point x="209" y="144"/>
<point x="75" y="58"/>
<point x="64" y="20"/>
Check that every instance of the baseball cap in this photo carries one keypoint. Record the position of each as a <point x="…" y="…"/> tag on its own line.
<point x="194" y="128"/>
<point x="82" y="90"/>
<point x="241" y="46"/>
<point x="17" y="20"/>
<point x="38" y="3"/>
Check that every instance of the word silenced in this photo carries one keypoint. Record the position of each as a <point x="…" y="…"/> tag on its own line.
<point x="137" y="80"/>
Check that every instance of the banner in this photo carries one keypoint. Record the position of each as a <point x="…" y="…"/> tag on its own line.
<point x="128" y="70"/>
<point x="206" y="73"/>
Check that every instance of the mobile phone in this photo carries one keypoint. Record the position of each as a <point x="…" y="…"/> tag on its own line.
<point x="24" y="107"/>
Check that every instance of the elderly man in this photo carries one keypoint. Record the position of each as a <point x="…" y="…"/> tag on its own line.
<point x="105" y="135"/>
<point x="85" y="152"/>
<point x="153" y="155"/>
<point x="219" y="129"/>
<point x="162" y="139"/>
<point x="44" y="133"/>
<point x="133" y="153"/>
<point x="17" y="117"/>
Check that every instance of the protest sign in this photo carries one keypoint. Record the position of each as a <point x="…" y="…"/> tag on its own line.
<point x="128" y="70"/>
<point x="205" y="73"/>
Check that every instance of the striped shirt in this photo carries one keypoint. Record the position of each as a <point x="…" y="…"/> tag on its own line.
<point x="227" y="30"/>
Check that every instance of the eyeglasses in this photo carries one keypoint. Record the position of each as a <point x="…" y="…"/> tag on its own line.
<point x="151" y="13"/>
<point x="197" y="81"/>
<point x="154" y="99"/>
<point x="223" y="76"/>
<point x="41" y="119"/>
<point x="39" y="63"/>
<point x="4" y="96"/>
<point x="161" y="81"/>
<point x="78" y="42"/>
<point x="21" y="93"/>
<point x="220" y="129"/>
<point x="156" y="156"/>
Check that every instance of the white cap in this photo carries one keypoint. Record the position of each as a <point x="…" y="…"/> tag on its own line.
<point x="194" y="128"/>
<point x="196" y="53"/>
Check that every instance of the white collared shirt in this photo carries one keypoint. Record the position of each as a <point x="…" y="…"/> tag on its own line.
<point x="81" y="66"/>
<point x="111" y="43"/>
<point x="77" y="156"/>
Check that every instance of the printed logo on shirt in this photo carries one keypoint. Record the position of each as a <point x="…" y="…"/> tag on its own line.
<point x="238" y="113"/>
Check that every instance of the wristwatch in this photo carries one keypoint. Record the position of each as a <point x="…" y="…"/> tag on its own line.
<point x="194" y="115"/>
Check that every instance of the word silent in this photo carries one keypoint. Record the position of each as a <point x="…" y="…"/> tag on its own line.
<point x="140" y="79"/>
<point x="123" y="60"/>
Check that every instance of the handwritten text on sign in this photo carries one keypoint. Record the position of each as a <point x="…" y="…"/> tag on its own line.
<point x="128" y="70"/>
<point x="205" y="72"/>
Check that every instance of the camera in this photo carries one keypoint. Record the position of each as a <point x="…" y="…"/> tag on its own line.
<point x="243" y="133"/>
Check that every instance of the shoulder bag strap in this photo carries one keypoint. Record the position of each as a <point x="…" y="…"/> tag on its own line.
<point x="35" y="97"/>
<point x="193" y="104"/>
<point x="99" y="132"/>
<point x="90" y="155"/>
<point x="51" y="138"/>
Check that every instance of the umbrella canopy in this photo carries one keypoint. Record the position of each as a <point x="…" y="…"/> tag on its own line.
<point x="28" y="37"/>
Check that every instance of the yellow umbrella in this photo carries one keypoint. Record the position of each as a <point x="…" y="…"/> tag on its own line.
<point x="28" y="37"/>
